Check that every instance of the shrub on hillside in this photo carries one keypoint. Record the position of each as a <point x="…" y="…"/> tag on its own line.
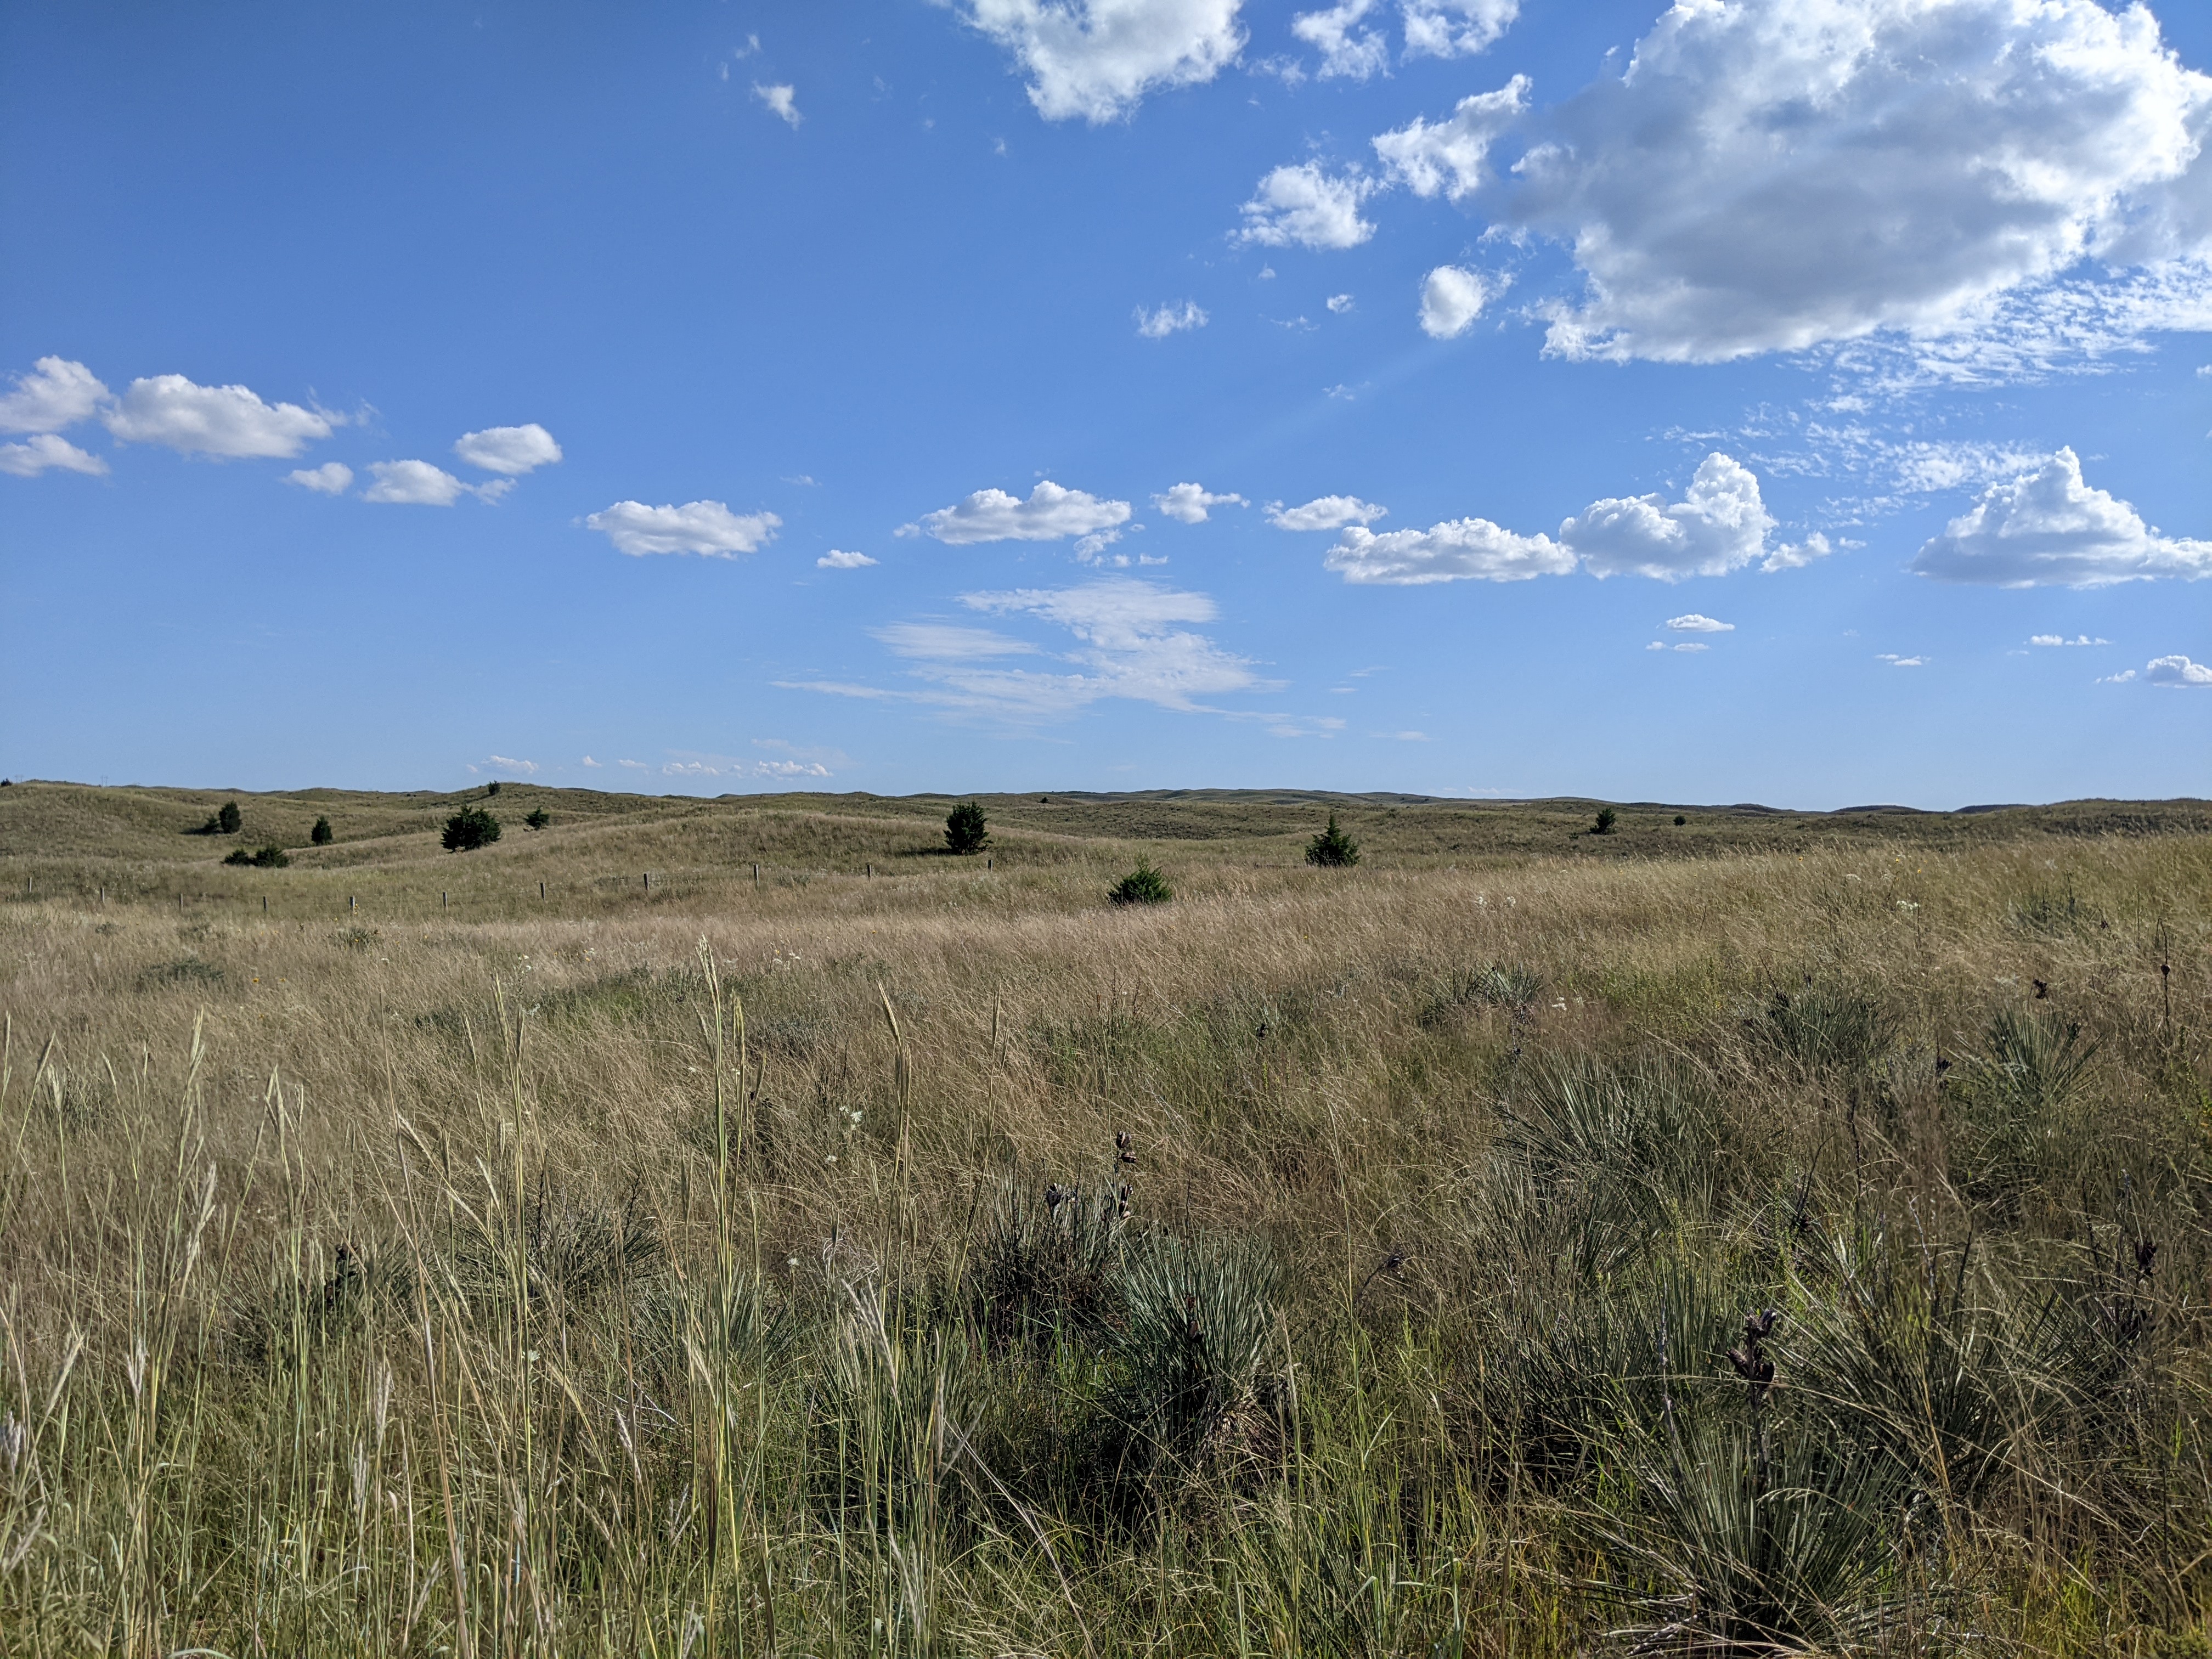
<point x="1332" y="847"/>
<point x="1606" y="820"/>
<point x="469" y="828"/>
<point x="966" y="829"/>
<point x="322" y="835"/>
<point x="224" y="822"/>
<point x="271" y="857"/>
<point x="1142" y="885"/>
<point x="538" y="817"/>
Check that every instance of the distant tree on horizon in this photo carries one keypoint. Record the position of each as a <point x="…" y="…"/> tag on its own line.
<point x="1607" y="819"/>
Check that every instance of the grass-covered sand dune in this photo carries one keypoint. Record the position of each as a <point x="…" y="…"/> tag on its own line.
<point x="902" y="1254"/>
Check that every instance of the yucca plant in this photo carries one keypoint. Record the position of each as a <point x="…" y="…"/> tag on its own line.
<point x="1197" y="1387"/>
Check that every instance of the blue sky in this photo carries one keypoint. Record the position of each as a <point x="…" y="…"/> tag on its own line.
<point x="1706" y="404"/>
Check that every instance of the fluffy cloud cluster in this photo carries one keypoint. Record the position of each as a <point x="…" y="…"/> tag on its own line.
<point x="2179" y="673"/>
<point x="993" y="515"/>
<point x="1454" y="28"/>
<point x="1349" y="46"/>
<point x="783" y="102"/>
<point x="229" y="421"/>
<point x="1098" y="58"/>
<point x="1771" y="175"/>
<point x="1452" y="155"/>
<point x="1305" y="205"/>
<point x="1696" y="623"/>
<point x="1190" y="503"/>
<point x="1720" y="524"/>
<point x="2000" y="182"/>
<point x="839" y="558"/>
<point x="1459" y="550"/>
<point x="1325" y="513"/>
<point x="508" y="450"/>
<point x="704" y="527"/>
<point x="331" y="478"/>
<point x="2049" y="528"/>
<point x="1452" y="297"/>
<point x="1169" y="319"/>
<point x="56" y="394"/>
<point x="409" y="484"/>
<point x="48" y="452"/>
<point x="235" y="423"/>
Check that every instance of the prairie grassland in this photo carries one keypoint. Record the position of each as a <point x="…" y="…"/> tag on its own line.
<point x="942" y="1262"/>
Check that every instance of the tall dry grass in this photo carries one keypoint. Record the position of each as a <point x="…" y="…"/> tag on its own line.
<point x="1329" y="1261"/>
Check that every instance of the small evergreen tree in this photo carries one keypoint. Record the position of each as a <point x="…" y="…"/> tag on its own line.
<point x="538" y="819"/>
<point x="966" y="830"/>
<point x="271" y="857"/>
<point x="1142" y="885"/>
<point x="322" y="835"/>
<point x="492" y="788"/>
<point x="469" y="828"/>
<point x="228" y="819"/>
<point x="1606" y="817"/>
<point x="1333" y="847"/>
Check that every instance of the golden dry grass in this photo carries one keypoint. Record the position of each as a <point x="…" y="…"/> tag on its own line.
<point x="785" y="1415"/>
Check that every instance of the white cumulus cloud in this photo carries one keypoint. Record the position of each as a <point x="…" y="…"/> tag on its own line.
<point x="1169" y="319"/>
<point x="1190" y="503"/>
<point x="704" y="527"/>
<point x="1050" y="512"/>
<point x="1325" y="513"/>
<point x="1452" y="155"/>
<point x="2049" y="528"/>
<point x="229" y="421"/>
<point x="512" y="450"/>
<point x="46" y="452"/>
<point x="838" y="558"/>
<point x="1098" y="58"/>
<point x="1776" y="175"/>
<point x="412" y="483"/>
<point x="331" y="478"/>
<point x="1459" y="550"/>
<point x="1452" y="297"/>
<point x="1720" y="524"/>
<point x="2179" y="671"/>
<point x="56" y="393"/>
<point x="1694" y="623"/>
<point x="1346" y="48"/>
<point x="783" y="102"/>
<point x="508" y="763"/>
<point x="1455" y="28"/>
<point x="1305" y="205"/>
